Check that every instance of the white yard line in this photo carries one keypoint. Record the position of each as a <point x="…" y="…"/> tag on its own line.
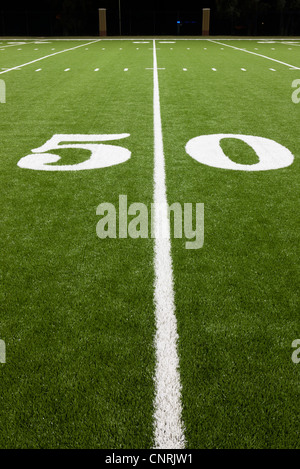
<point x="47" y="56"/>
<point x="255" y="53"/>
<point x="18" y="44"/>
<point x="167" y="406"/>
<point x="290" y="45"/>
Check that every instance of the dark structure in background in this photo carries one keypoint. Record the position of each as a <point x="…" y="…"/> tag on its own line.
<point x="145" y="17"/>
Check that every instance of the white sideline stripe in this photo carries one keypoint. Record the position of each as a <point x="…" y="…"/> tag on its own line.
<point x="47" y="56"/>
<point x="152" y="39"/>
<point x="255" y="53"/>
<point x="167" y="405"/>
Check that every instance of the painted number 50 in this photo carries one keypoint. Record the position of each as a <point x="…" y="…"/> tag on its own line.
<point x="205" y="149"/>
<point x="101" y="156"/>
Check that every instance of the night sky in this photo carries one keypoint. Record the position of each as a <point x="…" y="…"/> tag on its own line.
<point x="149" y="17"/>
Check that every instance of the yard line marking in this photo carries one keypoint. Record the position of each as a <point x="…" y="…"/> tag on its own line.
<point x="272" y="69"/>
<point x="167" y="405"/>
<point x="17" y="44"/>
<point x="254" y="53"/>
<point x="38" y="69"/>
<point x="47" y="56"/>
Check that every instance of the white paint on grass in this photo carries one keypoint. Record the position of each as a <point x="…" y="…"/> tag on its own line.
<point x="101" y="155"/>
<point x="47" y="56"/>
<point x="167" y="406"/>
<point x="206" y="149"/>
<point x="134" y="39"/>
<point x="254" y="53"/>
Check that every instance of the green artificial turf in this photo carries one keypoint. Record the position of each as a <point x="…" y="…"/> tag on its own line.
<point x="237" y="298"/>
<point x="77" y="312"/>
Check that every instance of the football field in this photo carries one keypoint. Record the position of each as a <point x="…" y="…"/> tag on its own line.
<point x="136" y="342"/>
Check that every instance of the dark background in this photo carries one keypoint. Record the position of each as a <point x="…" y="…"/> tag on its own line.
<point x="149" y="17"/>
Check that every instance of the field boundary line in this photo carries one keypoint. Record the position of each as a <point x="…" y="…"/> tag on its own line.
<point x="254" y="53"/>
<point x="47" y="56"/>
<point x="167" y="406"/>
<point x="176" y="38"/>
